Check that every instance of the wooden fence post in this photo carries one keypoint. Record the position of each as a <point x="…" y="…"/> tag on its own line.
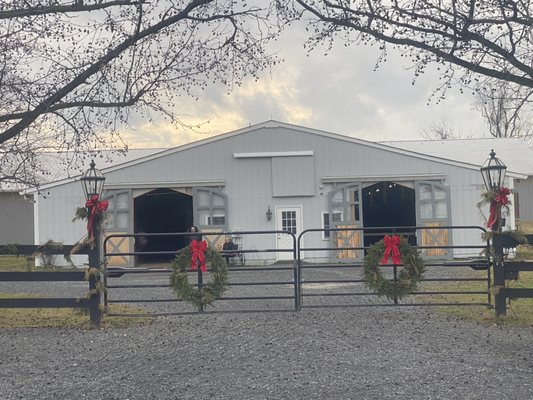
<point x="95" y="311"/>
<point x="499" y="275"/>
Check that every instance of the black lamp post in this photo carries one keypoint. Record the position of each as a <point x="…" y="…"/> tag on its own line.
<point x="92" y="182"/>
<point x="493" y="172"/>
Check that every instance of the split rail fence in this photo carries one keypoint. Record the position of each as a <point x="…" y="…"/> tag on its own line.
<point x="90" y="300"/>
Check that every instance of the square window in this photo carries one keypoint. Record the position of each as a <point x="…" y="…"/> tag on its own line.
<point x="336" y="217"/>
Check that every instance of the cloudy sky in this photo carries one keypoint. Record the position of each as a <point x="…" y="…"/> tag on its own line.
<point x="339" y="93"/>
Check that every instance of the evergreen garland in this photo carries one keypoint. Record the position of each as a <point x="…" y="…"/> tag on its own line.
<point x="188" y="292"/>
<point x="410" y="274"/>
<point x="82" y="213"/>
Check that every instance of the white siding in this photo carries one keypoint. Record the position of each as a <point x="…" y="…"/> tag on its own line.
<point x="16" y="219"/>
<point x="293" y="176"/>
<point x="248" y="182"/>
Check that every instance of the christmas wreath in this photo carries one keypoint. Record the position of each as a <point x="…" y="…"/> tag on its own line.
<point x="402" y="254"/>
<point x="199" y="255"/>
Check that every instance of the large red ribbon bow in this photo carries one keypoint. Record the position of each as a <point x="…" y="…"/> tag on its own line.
<point x="198" y="257"/>
<point x="95" y="207"/>
<point x="391" y="246"/>
<point x="499" y="201"/>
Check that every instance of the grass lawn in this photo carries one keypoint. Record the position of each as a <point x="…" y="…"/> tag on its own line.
<point x="519" y="312"/>
<point x="25" y="263"/>
<point x="13" y="263"/>
<point x="64" y="317"/>
<point x="55" y="317"/>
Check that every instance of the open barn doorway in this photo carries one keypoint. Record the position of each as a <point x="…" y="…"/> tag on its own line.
<point x="388" y="204"/>
<point x="161" y="211"/>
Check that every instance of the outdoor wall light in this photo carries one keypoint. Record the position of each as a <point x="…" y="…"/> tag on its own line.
<point x="92" y="182"/>
<point x="493" y="172"/>
<point x="269" y="214"/>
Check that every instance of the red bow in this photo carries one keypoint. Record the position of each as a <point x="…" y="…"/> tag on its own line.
<point x="496" y="205"/>
<point x="501" y="196"/>
<point x="391" y="245"/>
<point x="95" y="207"/>
<point x="198" y="257"/>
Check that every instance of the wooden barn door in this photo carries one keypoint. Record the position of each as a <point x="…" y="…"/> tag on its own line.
<point x="119" y="222"/>
<point x="433" y="212"/>
<point x="210" y="207"/>
<point x="345" y="204"/>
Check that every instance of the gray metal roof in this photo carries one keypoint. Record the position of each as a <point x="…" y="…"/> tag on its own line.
<point x="516" y="154"/>
<point x="65" y="165"/>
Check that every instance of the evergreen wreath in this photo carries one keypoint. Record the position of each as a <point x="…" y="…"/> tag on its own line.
<point x="408" y="277"/>
<point x="207" y="294"/>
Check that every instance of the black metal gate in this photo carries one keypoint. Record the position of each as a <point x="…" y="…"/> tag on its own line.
<point x="339" y="281"/>
<point x="254" y="286"/>
<point x="313" y="277"/>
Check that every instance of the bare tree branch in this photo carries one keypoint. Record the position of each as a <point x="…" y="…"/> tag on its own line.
<point x="491" y="37"/>
<point x="72" y="73"/>
<point x="54" y="8"/>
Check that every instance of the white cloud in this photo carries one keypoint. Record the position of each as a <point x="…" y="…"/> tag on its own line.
<point x="339" y="92"/>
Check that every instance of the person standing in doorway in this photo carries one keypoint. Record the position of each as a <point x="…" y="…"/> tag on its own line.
<point x="194" y="234"/>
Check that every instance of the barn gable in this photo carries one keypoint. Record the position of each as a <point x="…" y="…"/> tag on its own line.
<point x="306" y="178"/>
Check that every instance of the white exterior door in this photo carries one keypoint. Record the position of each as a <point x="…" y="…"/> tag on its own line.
<point x="287" y="219"/>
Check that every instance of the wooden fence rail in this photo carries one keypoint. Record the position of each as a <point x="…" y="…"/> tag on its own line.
<point x="90" y="301"/>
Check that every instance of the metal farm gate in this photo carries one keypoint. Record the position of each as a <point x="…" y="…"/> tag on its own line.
<point x="254" y="284"/>
<point x="262" y="279"/>
<point x="447" y="280"/>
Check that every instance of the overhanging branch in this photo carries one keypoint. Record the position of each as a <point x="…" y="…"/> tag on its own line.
<point x="76" y="7"/>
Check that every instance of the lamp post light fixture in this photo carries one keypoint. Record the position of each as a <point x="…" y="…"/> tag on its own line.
<point x="92" y="182"/>
<point x="269" y="214"/>
<point x="493" y="172"/>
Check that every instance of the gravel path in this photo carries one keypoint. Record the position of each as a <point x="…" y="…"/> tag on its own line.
<point x="364" y="353"/>
<point x="336" y="353"/>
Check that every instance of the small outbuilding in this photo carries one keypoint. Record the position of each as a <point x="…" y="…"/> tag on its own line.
<point x="277" y="176"/>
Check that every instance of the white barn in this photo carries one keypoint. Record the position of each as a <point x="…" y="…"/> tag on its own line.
<point x="307" y="178"/>
<point x="515" y="154"/>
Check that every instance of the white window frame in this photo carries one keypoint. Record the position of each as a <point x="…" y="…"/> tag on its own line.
<point x="208" y="219"/>
<point x="325" y="234"/>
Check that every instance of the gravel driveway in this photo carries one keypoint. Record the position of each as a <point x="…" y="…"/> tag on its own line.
<point x="334" y="353"/>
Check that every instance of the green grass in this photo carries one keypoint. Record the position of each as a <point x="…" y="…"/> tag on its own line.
<point x="519" y="312"/>
<point x="524" y="252"/>
<point x="55" y="317"/>
<point x="14" y="263"/>
<point x="525" y="226"/>
<point x="65" y="318"/>
<point x="24" y="263"/>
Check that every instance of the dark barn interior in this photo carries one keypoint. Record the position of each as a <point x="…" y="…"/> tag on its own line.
<point x="161" y="211"/>
<point x="387" y="204"/>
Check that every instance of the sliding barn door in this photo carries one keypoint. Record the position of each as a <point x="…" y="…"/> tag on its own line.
<point x="345" y="211"/>
<point x="433" y="214"/>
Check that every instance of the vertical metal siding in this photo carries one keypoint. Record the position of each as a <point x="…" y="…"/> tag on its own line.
<point x="293" y="176"/>
<point x="55" y="213"/>
<point x="525" y="193"/>
<point x="16" y="219"/>
<point x="248" y="182"/>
